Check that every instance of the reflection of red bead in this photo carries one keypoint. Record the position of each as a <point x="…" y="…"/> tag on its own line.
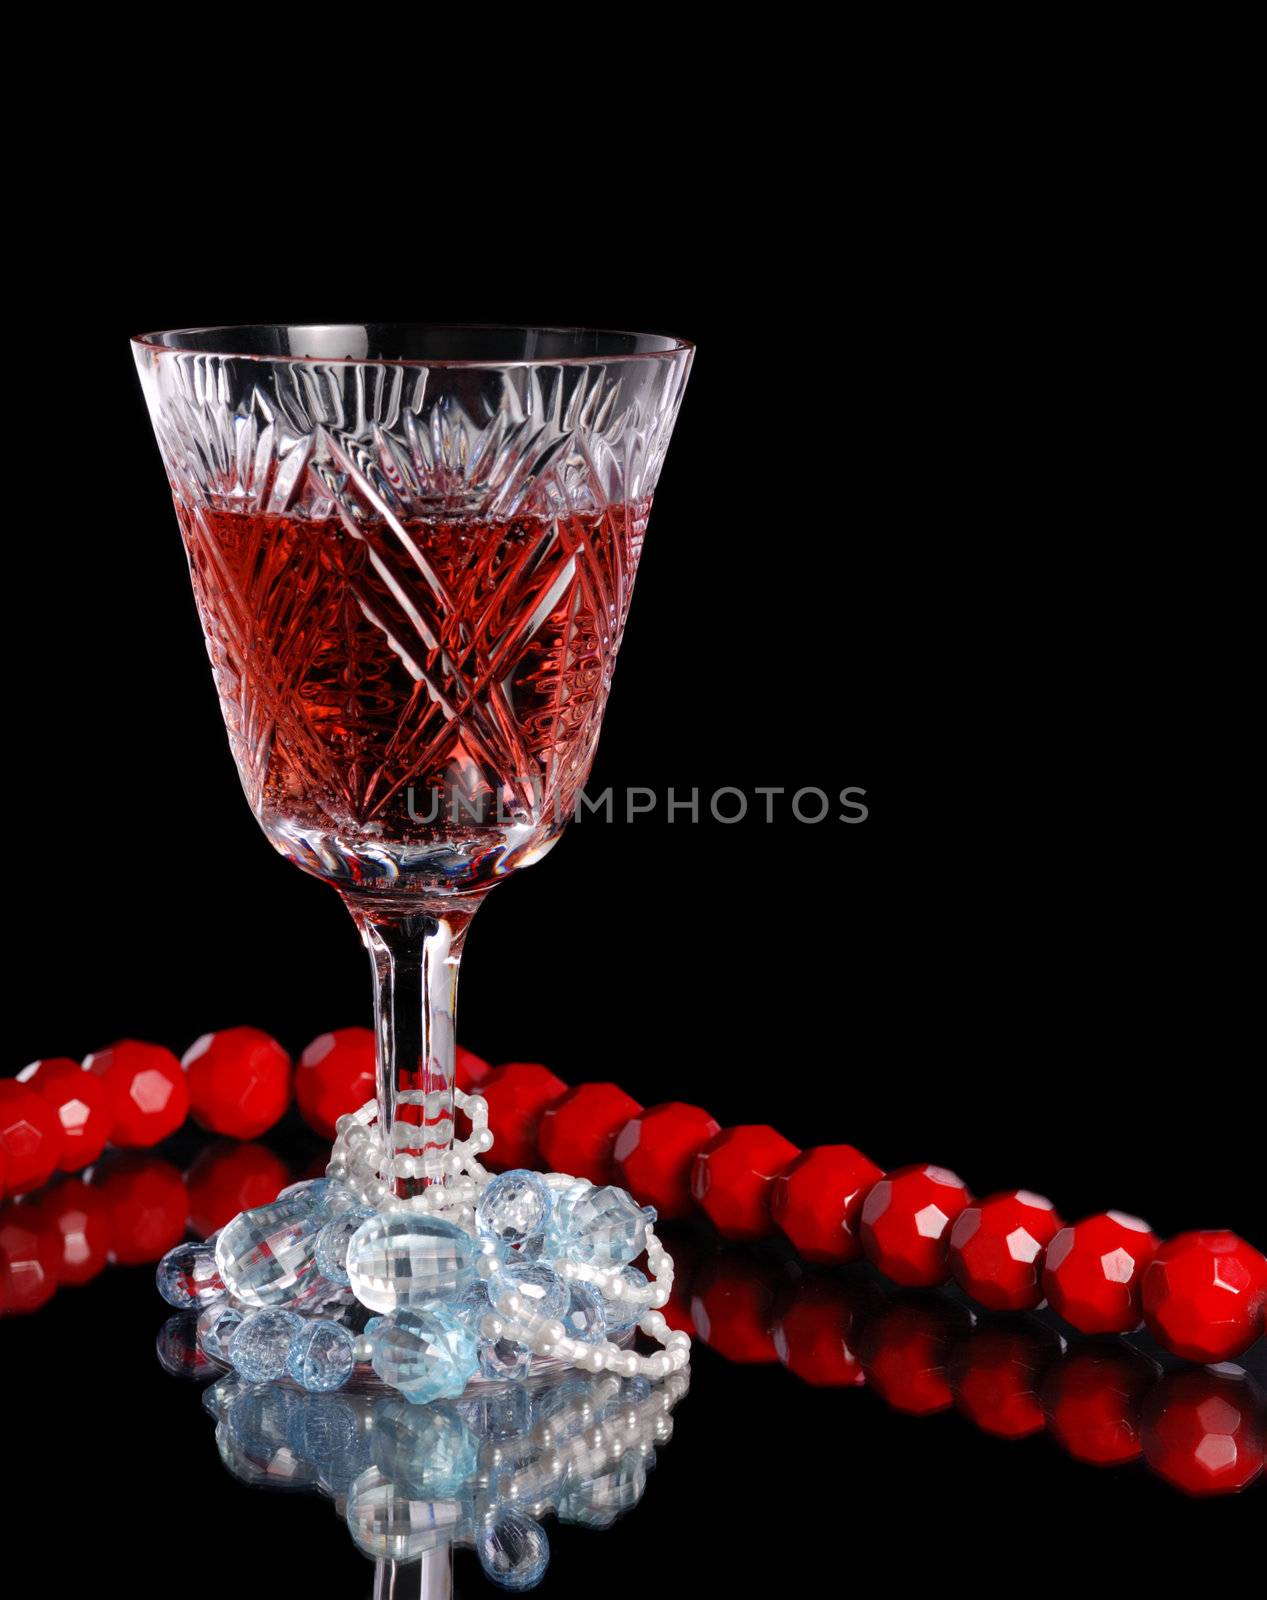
<point x="227" y="1178"/>
<point x="79" y="1220"/>
<point x="147" y="1089"/>
<point x="1204" y="1295"/>
<point x="239" y="1082"/>
<point x="1092" y="1399"/>
<point x="733" y="1310"/>
<point x="906" y="1220"/>
<point x="732" y="1176"/>
<point x="1091" y="1271"/>
<point x="147" y="1204"/>
<point x="335" y="1077"/>
<point x="1203" y="1431"/>
<point x="30" y="1136"/>
<point x="517" y="1094"/>
<point x="653" y="1154"/>
<point x="994" y="1374"/>
<point x="28" y="1259"/>
<point x="817" y="1202"/>
<point x="469" y="1070"/>
<point x="904" y="1350"/>
<point x="996" y="1249"/>
<point x="577" y="1132"/>
<point x="81" y="1103"/>
<point x="814" y="1333"/>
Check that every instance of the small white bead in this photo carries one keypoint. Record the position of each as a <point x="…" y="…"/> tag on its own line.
<point x="653" y="1323"/>
<point x="659" y="1296"/>
<point x="476" y="1107"/>
<point x="595" y="1358"/>
<point x="362" y="1348"/>
<point x="678" y="1358"/>
<point x="492" y="1326"/>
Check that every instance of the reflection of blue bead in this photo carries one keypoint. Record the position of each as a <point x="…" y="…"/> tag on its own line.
<point x="538" y="1285"/>
<point x="426" y="1450"/>
<point x="333" y="1241"/>
<point x="514" y="1208"/>
<point x="513" y="1550"/>
<point x="260" y="1344"/>
<point x="585" y="1317"/>
<point x="428" y="1354"/>
<point x="320" y="1357"/>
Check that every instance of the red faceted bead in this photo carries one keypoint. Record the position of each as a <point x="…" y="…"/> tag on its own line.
<point x="518" y="1094"/>
<point x="906" y="1222"/>
<point x="30" y="1136"/>
<point x="469" y="1070"/>
<point x="82" y="1104"/>
<point x="733" y="1175"/>
<point x="239" y="1082"/>
<point x="1092" y="1399"/>
<point x="335" y="1077"/>
<point x="28" y="1259"/>
<point x="994" y="1374"/>
<point x="733" y="1310"/>
<point x="577" y="1132"/>
<point x="227" y="1178"/>
<point x="814" y="1333"/>
<point x="1204" y="1295"/>
<point x="1203" y="1431"/>
<point x="79" y="1220"/>
<point x="147" y="1205"/>
<point x="654" y="1152"/>
<point x="147" y="1088"/>
<point x="905" y="1348"/>
<point x="1091" y="1271"/>
<point x="996" y="1249"/>
<point x="817" y="1202"/>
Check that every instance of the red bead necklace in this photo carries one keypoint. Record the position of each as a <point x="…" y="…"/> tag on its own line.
<point x="1202" y="1294"/>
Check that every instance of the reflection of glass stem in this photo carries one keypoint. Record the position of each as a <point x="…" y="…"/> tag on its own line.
<point x="430" y="1579"/>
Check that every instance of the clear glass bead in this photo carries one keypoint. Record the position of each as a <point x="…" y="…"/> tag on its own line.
<point x="622" y="1314"/>
<point x="513" y="1550"/>
<point x="585" y="1317"/>
<point x="320" y="1357"/>
<point x="187" y="1276"/>
<point x="504" y="1358"/>
<point x="544" y="1293"/>
<point x="389" y="1524"/>
<point x="260" y="1344"/>
<point x="266" y="1257"/>
<point x="426" y="1353"/>
<point x="406" y="1259"/>
<point x="428" y="1451"/>
<point x="599" y="1227"/>
<point x="333" y="1241"/>
<point x="514" y="1209"/>
<point x="322" y="1194"/>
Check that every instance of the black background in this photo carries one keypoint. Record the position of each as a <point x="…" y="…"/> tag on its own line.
<point x="950" y="515"/>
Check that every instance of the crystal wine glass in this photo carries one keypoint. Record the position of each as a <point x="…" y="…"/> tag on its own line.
<point x="412" y="549"/>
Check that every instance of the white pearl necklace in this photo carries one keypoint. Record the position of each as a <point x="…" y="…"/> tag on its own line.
<point x="360" y="1161"/>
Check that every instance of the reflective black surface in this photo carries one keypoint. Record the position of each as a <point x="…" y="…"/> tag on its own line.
<point x="964" y="541"/>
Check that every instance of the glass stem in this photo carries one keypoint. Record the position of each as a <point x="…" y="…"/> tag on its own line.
<point x="415" y="953"/>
